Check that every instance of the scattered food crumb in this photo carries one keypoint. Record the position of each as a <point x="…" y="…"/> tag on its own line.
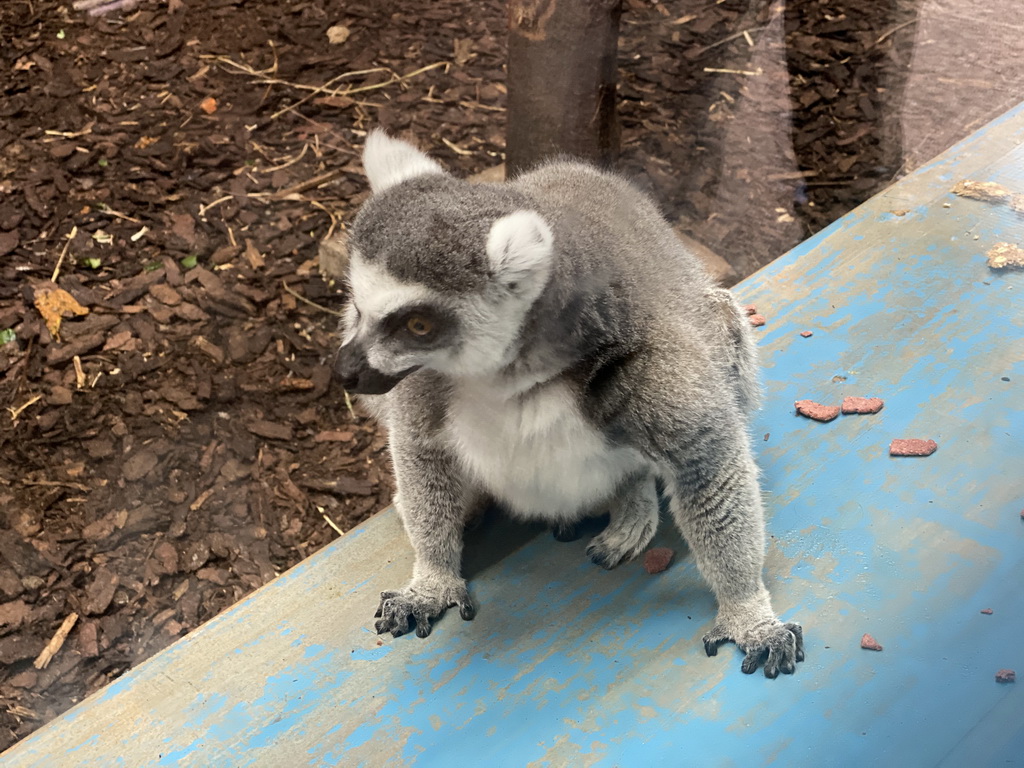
<point x="208" y="105"/>
<point x="862" y="404"/>
<point x="657" y="559"/>
<point x="380" y="643"/>
<point x="837" y="379"/>
<point x="1006" y="676"/>
<point x="869" y="643"/>
<point x="769" y="434"/>
<point x="987" y="611"/>
<point x="981" y="190"/>
<point x="750" y="309"/>
<point x="899" y="213"/>
<point x="816" y="411"/>
<point x="1002" y="255"/>
<point x="912" y="447"/>
<point x="806" y="334"/>
<point x="757" y="320"/>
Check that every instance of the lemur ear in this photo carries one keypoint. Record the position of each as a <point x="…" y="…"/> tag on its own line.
<point x="519" y="247"/>
<point x="389" y="161"/>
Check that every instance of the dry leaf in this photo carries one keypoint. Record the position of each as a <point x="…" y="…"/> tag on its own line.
<point x="208" y="105"/>
<point x="338" y="34"/>
<point x="253" y="256"/>
<point x="54" y="304"/>
<point x="463" y="51"/>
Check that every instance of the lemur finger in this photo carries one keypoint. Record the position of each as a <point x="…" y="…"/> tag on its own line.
<point x="467" y="611"/>
<point x="798" y="633"/>
<point x="753" y="660"/>
<point x="711" y="643"/>
<point x="422" y="623"/>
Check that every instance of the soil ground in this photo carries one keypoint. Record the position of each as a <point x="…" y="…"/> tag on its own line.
<point x="177" y="441"/>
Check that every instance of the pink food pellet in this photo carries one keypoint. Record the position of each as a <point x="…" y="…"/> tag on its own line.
<point x="657" y="559"/>
<point x="912" y="447"/>
<point x="816" y="411"/>
<point x="869" y="643"/>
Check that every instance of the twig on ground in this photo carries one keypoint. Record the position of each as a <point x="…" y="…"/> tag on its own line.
<point x="311" y="303"/>
<point x="63" y="253"/>
<point x="330" y="522"/>
<point x="16" y="412"/>
<point x="56" y="642"/>
<point x="312" y="183"/>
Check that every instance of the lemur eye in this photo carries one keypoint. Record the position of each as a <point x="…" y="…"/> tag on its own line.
<point x="419" y="325"/>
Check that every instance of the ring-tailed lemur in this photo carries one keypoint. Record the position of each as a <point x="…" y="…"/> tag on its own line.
<point x="548" y="342"/>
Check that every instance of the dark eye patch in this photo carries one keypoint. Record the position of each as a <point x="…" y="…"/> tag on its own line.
<point x="440" y="321"/>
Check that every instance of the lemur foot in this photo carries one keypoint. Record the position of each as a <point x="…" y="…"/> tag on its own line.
<point x="779" y="646"/>
<point x="421" y="606"/>
<point x="618" y="543"/>
<point x="566" y="531"/>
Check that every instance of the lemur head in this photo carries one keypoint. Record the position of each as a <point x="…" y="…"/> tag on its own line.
<point x="442" y="272"/>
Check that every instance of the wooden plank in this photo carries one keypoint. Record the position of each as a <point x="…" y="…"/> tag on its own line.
<point x="569" y="665"/>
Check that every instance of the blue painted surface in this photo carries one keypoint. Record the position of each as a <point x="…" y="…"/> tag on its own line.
<point x="569" y="665"/>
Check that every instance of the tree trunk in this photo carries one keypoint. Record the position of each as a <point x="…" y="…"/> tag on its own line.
<point x="562" y="67"/>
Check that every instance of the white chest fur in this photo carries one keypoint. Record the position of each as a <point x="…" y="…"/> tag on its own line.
<point x="536" y="452"/>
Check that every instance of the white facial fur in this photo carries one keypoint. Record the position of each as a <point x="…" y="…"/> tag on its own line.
<point x="518" y="247"/>
<point x="376" y="293"/>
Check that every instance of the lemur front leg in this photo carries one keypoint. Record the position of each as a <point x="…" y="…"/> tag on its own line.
<point x="717" y="506"/>
<point x="432" y="501"/>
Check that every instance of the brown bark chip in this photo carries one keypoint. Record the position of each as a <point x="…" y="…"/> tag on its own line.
<point x="657" y="559"/>
<point x="1006" y="676"/>
<point x="862" y="404"/>
<point x="100" y="593"/>
<point x="867" y="642"/>
<point x="816" y="411"/>
<point x="912" y="447"/>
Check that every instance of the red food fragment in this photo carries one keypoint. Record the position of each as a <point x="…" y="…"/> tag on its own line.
<point x="987" y="611"/>
<point x="806" y="334"/>
<point x="750" y="309"/>
<point x="1006" y="676"/>
<point x="869" y="643"/>
<point x="658" y="559"/>
<point x="862" y="404"/>
<point x="912" y="447"/>
<point x="816" y="411"/>
<point x="757" y="320"/>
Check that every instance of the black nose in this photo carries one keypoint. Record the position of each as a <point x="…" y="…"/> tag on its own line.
<point x="348" y="364"/>
<point x="354" y="372"/>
